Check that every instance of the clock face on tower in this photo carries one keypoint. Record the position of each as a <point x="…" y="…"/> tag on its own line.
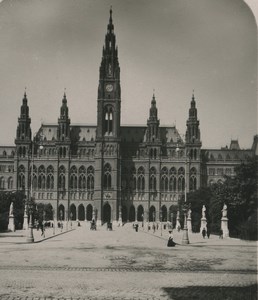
<point x="109" y="87"/>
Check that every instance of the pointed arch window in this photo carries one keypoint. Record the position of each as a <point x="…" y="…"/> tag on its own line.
<point x="73" y="178"/>
<point x="50" y="178"/>
<point x="193" y="180"/>
<point x="108" y="120"/>
<point x="21" y="177"/>
<point x="41" y="178"/>
<point x="164" y="180"/>
<point x="82" y="178"/>
<point x="34" y="177"/>
<point x="133" y="180"/>
<point x="107" y="177"/>
<point x="172" y="179"/>
<point x="10" y="183"/>
<point x="181" y="179"/>
<point x="153" y="180"/>
<point x="61" y="179"/>
<point x="2" y="183"/>
<point x="140" y="180"/>
<point x="90" y="179"/>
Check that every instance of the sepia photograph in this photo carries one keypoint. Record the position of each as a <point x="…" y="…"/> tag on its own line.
<point x="128" y="149"/>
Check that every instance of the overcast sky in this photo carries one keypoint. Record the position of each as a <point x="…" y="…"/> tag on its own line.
<point x="172" y="46"/>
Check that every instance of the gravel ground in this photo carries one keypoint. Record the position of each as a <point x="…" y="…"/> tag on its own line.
<point x="124" y="264"/>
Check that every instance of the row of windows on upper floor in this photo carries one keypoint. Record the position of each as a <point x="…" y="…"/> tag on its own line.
<point x="221" y="171"/>
<point x="229" y="157"/>
<point x="132" y="185"/>
<point x="6" y="168"/>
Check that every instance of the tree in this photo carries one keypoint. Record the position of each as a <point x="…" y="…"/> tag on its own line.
<point x="18" y="199"/>
<point x="239" y="193"/>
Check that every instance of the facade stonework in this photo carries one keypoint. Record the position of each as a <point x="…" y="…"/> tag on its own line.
<point x="108" y="171"/>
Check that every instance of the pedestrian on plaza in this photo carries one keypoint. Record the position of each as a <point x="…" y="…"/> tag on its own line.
<point x="153" y="227"/>
<point x="42" y="230"/>
<point x="203" y="233"/>
<point x="208" y="232"/>
<point x="171" y="242"/>
<point x="221" y="234"/>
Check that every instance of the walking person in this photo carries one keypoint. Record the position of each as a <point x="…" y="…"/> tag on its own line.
<point x="42" y="230"/>
<point x="208" y="233"/>
<point x="203" y="233"/>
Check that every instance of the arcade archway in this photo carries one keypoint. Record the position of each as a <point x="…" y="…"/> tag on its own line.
<point x="106" y="213"/>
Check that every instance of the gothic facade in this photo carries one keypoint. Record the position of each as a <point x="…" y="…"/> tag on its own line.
<point x="108" y="171"/>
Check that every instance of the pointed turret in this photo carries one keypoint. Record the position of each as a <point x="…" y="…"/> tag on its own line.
<point x="153" y="123"/>
<point x="64" y="121"/>
<point x="193" y="135"/>
<point x="23" y="132"/>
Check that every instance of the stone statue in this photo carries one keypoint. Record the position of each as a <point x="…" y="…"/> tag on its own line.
<point x="189" y="213"/>
<point x="224" y="211"/>
<point x="203" y="211"/>
<point x="11" y="209"/>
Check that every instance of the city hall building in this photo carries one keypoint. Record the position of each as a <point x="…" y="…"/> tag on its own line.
<point x="108" y="171"/>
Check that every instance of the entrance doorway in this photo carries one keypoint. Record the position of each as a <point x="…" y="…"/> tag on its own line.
<point x="106" y="213"/>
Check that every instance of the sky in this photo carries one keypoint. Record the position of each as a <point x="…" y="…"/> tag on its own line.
<point x="170" y="46"/>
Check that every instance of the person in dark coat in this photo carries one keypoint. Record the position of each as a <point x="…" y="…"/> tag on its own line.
<point x="171" y="242"/>
<point x="203" y="233"/>
<point x="208" y="233"/>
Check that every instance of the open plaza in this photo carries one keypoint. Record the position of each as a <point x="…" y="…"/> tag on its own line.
<point x="79" y="263"/>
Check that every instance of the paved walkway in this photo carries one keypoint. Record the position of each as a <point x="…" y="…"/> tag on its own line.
<point x="124" y="264"/>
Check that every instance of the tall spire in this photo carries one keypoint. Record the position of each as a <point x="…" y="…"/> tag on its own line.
<point x="23" y="132"/>
<point x="64" y="121"/>
<point x="193" y="131"/>
<point x="153" y="122"/>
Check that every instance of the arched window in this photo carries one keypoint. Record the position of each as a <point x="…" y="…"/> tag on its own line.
<point x="140" y="180"/>
<point x="90" y="179"/>
<point x="61" y="179"/>
<point x="34" y="178"/>
<point x="193" y="179"/>
<point x="73" y="178"/>
<point x="21" y="177"/>
<point x="82" y="178"/>
<point x="172" y="179"/>
<point x="181" y="179"/>
<point x="107" y="177"/>
<point x="153" y="180"/>
<point x="10" y="183"/>
<point x="133" y="180"/>
<point x="164" y="180"/>
<point x="220" y="157"/>
<point x="2" y="183"/>
<point x="108" y="120"/>
<point x="41" y="178"/>
<point x="50" y="178"/>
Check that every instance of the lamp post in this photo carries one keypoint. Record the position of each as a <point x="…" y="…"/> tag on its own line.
<point x="160" y="214"/>
<point x="30" y="237"/>
<point x="30" y="204"/>
<point x="185" y="239"/>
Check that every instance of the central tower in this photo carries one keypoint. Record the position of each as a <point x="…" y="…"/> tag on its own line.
<point x="107" y="156"/>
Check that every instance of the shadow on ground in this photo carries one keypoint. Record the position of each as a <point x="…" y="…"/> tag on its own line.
<point x="212" y="293"/>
